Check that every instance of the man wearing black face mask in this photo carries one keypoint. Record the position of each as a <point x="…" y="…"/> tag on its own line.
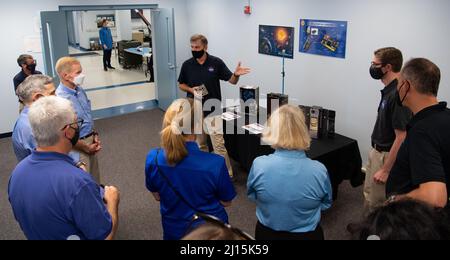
<point x="205" y="69"/>
<point x="389" y="131"/>
<point x="28" y="65"/>
<point x="422" y="169"/>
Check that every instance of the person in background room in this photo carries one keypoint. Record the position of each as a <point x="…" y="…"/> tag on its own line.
<point x="106" y="42"/>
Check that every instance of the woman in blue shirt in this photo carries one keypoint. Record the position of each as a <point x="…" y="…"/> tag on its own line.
<point x="106" y="41"/>
<point x="290" y="190"/>
<point x="183" y="178"/>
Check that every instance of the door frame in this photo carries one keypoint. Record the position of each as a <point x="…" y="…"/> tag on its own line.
<point x="71" y="8"/>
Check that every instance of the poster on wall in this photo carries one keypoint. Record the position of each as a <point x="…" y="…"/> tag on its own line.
<point x="276" y="41"/>
<point x="109" y="17"/>
<point x="321" y="37"/>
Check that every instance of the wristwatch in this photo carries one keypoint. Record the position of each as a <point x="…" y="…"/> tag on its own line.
<point x="391" y="199"/>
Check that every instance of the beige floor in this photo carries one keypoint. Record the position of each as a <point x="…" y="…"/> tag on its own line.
<point x="96" y="78"/>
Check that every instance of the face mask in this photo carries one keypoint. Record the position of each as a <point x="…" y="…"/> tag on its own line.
<point x="398" y="99"/>
<point x="198" y="54"/>
<point x="79" y="80"/>
<point x="376" y="73"/>
<point x="76" y="136"/>
<point x="31" y="68"/>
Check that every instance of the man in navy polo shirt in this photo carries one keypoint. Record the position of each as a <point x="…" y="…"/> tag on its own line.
<point x="51" y="198"/>
<point x="205" y="69"/>
<point x="28" y="65"/>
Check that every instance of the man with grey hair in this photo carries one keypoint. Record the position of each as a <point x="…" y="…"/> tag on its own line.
<point x="28" y="65"/>
<point x="51" y="198"/>
<point x="422" y="169"/>
<point x="33" y="88"/>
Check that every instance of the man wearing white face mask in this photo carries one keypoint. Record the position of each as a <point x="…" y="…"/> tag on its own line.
<point x="70" y="74"/>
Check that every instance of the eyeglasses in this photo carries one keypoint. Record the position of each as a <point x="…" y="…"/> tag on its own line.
<point x="34" y="62"/>
<point x="377" y="64"/>
<point x="79" y="123"/>
<point x="210" y="219"/>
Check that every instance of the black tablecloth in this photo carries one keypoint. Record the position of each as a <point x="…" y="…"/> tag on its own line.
<point x="340" y="155"/>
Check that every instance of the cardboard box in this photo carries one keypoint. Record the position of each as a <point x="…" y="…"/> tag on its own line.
<point x="138" y="36"/>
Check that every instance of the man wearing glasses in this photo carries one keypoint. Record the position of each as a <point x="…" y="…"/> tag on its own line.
<point x="28" y="66"/>
<point x="51" y="198"/>
<point x="390" y="127"/>
<point x="70" y="74"/>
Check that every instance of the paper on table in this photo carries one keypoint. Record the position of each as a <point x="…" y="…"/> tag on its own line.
<point x="254" y="128"/>
<point x="229" y="116"/>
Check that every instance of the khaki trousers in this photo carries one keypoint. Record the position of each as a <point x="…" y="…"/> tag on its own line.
<point x="91" y="161"/>
<point x="374" y="193"/>
<point x="215" y="131"/>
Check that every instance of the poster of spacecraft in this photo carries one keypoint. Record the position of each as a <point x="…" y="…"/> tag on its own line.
<point x="320" y="37"/>
<point x="276" y="41"/>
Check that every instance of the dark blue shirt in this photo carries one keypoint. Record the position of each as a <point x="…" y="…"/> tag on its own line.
<point x="20" y="77"/>
<point x="209" y="74"/>
<point x="54" y="200"/>
<point x="201" y="178"/>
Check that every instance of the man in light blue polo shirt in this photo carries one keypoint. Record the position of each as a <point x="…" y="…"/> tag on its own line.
<point x="70" y="74"/>
<point x="32" y="88"/>
<point x="51" y="198"/>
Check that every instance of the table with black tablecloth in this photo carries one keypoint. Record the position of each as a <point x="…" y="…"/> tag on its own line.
<point x="340" y="154"/>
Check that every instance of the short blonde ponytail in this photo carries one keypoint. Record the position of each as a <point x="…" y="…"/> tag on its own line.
<point x="178" y="122"/>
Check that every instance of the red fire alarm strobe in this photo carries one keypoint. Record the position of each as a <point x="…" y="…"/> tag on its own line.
<point x="247" y="9"/>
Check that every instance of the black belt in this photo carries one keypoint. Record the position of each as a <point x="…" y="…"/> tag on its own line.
<point x="89" y="135"/>
<point x="380" y="148"/>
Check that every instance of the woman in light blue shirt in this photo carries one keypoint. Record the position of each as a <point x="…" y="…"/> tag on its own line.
<point x="290" y="190"/>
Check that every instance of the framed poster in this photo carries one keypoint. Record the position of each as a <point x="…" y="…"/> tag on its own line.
<point x="321" y="37"/>
<point x="276" y="41"/>
<point x="109" y="17"/>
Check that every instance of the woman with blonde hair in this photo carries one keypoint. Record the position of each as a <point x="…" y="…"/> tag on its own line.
<point x="184" y="179"/>
<point x="290" y="190"/>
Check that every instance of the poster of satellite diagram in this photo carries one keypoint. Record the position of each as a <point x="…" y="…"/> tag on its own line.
<point x="321" y="37"/>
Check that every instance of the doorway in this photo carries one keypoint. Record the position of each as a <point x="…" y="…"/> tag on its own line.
<point x="141" y="33"/>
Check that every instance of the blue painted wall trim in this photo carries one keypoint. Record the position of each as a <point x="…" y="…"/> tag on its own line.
<point x="125" y="109"/>
<point x="116" y="86"/>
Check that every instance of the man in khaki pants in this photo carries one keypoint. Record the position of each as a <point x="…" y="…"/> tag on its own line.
<point x="70" y="73"/>
<point x="390" y="128"/>
<point x="206" y="70"/>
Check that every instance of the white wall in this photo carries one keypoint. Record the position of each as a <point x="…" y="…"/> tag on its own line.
<point x="124" y="25"/>
<point x="19" y="20"/>
<point x="420" y="28"/>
